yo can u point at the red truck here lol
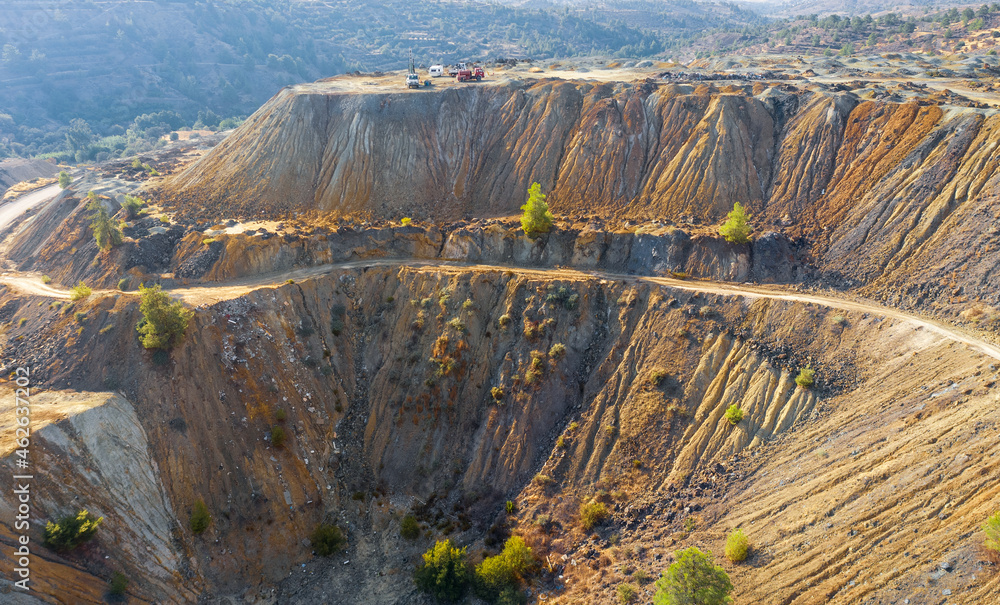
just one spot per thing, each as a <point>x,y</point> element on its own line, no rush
<point>475,73</point>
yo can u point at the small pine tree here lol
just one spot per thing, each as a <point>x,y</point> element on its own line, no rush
<point>163,321</point>
<point>64,179</point>
<point>444,573</point>
<point>327,539</point>
<point>200,519</point>
<point>106,231</point>
<point>694,579</point>
<point>71,531</point>
<point>736,229</point>
<point>536,218</point>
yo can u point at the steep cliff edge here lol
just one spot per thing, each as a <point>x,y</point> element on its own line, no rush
<point>891,196</point>
<point>386,377</point>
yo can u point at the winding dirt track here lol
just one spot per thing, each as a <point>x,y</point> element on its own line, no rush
<point>204,295</point>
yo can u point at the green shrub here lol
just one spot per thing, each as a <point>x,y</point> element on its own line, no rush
<point>504,320</point>
<point>734,414</point>
<point>277,436</point>
<point>65,180</point>
<point>543,480</point>
<point>24,320</point>
<point>504,572</point>
<point>409,528</point>
<point>592,514</point>
<point>558,351</point>
<point>805,378</point>
<point>693,578</point>
<point>468,304</point>
<point>992,530</point>
<point>657,376</point>
<point>337,314</point>
<point>163,322</point>
<point>200,519</point>
<point>46,279</point>
<point>71,531</point>
<point>627,594</point>
<point>561,442</point>
<point>510,507</point>
<point>457,325</point>
<point>123,284</point>
<point>80,291</point>
<point>497,394</point>
<point>280,415</point>
<point>118,584</point>
<point>132,205</point>
<point>690,524</point>
<point>641,576</point>
<point>406,221</point>
<point>327,539</point>
<point>736,229</point>
<point>444,572</point>
<point>80,317</point>
<point>164,219</point>
<point>737,546</point>
<point>536,218</point>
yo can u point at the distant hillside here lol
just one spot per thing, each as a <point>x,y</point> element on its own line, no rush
<point>107,62</point>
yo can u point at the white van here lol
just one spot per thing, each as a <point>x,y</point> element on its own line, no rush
<point>437,70</point>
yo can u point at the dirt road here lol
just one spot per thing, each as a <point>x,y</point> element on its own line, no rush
<point>10,211</point>
<point>212,293</point>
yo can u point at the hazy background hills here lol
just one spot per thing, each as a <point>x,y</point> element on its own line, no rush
<point>84,80</point>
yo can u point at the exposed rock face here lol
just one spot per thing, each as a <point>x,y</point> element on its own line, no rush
<point>882,190</point>
<point>89,450</point>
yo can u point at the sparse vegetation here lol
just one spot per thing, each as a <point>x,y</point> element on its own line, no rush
<point>504,320</point>
<point>543,480</point>
<point>327,539</point>
<point>277,436</point>
<point>445,572</point>
<point>627,594</point>
<point>536,218</point>
<point>693,579</point>
<point>736,229</point>
<point>504,572</point>
<point>107,232</point>
<point>80,317</point>
<point>592,514</point>
<point>561,442</point>
<point>657,376</point>
<point>46,279</point>
<point>497,394</point>
<point>118,584</point>
<point>163,321</point>
<point>200,518</point>
<point>558,351</point>
<point>71,531</point>
<point>80,291</point>
<point>991,527</point>
<point>737,546</point>
<point>734,414</point>
<point>409,528</point>
<point>123,284</point>
<point>805,378</point>
<point>280,415</point>
<point>132,205</point>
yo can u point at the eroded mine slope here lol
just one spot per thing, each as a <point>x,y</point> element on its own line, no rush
<point>386,377</point>
<point>897,197</point>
